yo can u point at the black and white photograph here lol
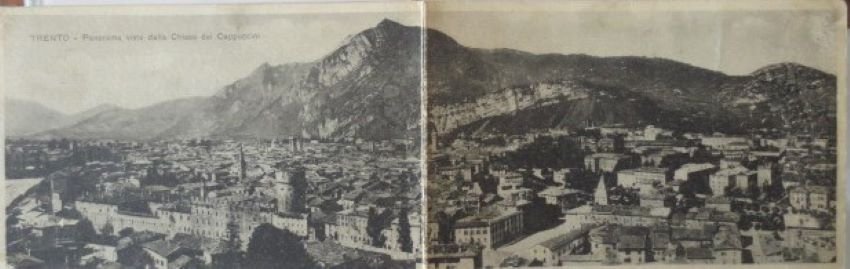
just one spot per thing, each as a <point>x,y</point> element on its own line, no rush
<point>213,137</point>
<point>634,133</point>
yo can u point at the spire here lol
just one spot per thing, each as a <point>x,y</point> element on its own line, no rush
<point>204,188</point>
<point>242,164</point>
<point>601,194</point>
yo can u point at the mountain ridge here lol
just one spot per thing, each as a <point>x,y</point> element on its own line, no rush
<point>369,88</point>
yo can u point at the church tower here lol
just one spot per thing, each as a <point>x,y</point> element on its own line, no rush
<point>601,194</point>
<point>242,164</point>
<point>290,189</point>
<point>55,200</point>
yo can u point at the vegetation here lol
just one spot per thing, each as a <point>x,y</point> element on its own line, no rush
<point>271,247</point>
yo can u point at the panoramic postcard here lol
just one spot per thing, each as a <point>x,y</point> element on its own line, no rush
<point>425,134</point>
<point>578,134</point>
<point>201,137</point>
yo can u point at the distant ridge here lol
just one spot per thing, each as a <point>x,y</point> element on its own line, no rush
<point>25,117</point>
<point>520,91</point>
<point>369,88</point>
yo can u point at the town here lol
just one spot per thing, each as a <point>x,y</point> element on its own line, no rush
<point>197,203</point>
<point>617,194</point>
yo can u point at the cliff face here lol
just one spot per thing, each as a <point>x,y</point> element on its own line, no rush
<point>367,88</point>
<point>507,91</point>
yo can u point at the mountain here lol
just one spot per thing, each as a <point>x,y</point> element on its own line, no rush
<point>367,88</point>
<point>475,91</point>
<point>91,112</point>
<point>26,117</point>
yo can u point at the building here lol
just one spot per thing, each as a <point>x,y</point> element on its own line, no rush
<point>809,197</point>
<point>549,251</point>
<point>765,248</point>
<point>607,162</point>
<point>453,257</point>
<point>632,247</point>
<point>651,132</point>
<point>563,198</point>
<point>719,203</point>
<point>602,241</point>
<point>202,217</point>
<point>738,177</point>
<point>723,142</point>
<point>600,196</point>
<point>644,178</point>
<point>695,172</point>
<point>490,228</point>
<point>766,174</point>
<point>168,255</point>
<point>651,199</point>
<point>290,189</point>
<point>727,245</point>
<point>699,255</point>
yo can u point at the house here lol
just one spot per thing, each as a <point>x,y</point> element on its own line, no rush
<point>719,203</point>
<point>167,255</point>
<point>607,162</point>
<point>810,197</point>
<point>819,249</point>
<point>652,199</point>
<point>739,177</point>
<point>765,248</point>
<point>727,245</point>
<point>766,174</point>
<point>694,172</point>
<point>699,255</point>
<point>602,241</point>
<point>549,252</point>
<point>450,256</point>
<point>643,178</point>
<point>632,248</point>
<point>660,240</point>
<point>692,238</point>
<point>565,199</point>
<point>489,228</point>
<point>102,252</point>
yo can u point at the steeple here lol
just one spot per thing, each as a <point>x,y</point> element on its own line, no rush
<point>601,194</point>
<point>204,187</point>
<point>242,173</point>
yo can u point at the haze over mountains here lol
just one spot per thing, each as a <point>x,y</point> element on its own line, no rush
<point>370,88</point>
<point>28,117</point>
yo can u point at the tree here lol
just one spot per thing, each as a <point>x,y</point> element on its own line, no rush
<point>107,229</point>
<point>126,232</point>
<point>270,247</point>
<point>85,231</point>
<point>374,228</point>
<point>232,255</point>
<point>404,240</point>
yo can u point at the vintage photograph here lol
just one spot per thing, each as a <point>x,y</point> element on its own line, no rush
<point>633,133</point>
<point>213,137</point>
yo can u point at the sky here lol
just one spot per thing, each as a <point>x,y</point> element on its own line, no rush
<point>733,42</point>
<point>76,75</point>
